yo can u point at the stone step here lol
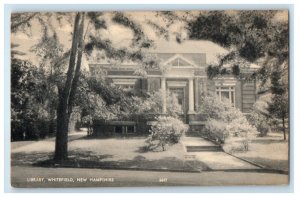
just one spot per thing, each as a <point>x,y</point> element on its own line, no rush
<point>192,134</point>
<point>204,148</point>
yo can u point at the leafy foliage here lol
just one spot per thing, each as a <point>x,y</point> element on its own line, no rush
<point>275,95</point>
<point>69,78</point>
<point>99,100</point>
<point>21,20</point>
<point>49,50</point>
<point>260,121</point>
<point>259,37</point>
<point>165,131</point>
<point>31,101</point>
<point>279,107</point>
<point>98,22</point>
<point>250,35</point>
<point>139,38</point>
<point>150,104</point>
<point>216,26</point>
<point>226,124</point>
<point>251,32</point>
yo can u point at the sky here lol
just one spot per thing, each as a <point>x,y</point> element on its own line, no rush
<point>119,36</point>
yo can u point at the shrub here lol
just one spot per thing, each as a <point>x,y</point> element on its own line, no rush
<point>259,121</point>
<point>152,104</point>
<point>165,131</point>
<point>259,116</point>
<point>227,125</point>
<point>32,130</point>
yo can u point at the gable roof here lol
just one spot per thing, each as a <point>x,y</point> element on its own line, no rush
<point>200,51</point>
<point>178,58</point>
<point>198,59</point>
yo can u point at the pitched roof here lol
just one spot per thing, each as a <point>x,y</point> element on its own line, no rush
<point>197,50</point>
<point>201,52</point>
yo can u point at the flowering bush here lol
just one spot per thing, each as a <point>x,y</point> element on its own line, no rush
<point>165,131</point>
<point>148,106</point>
<point>153,104</point>
<point>227,125</point>
<point>259,121</point>
<point>259,116</point>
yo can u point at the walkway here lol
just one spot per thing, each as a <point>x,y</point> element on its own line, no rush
<point>212,155</point>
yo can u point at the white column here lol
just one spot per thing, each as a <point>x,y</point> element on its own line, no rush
<point>205,87</point>
<point>163,90</point>
<point>196,93</point>
<point>191,96</point>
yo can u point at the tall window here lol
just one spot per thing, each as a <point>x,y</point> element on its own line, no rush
<point>226,93</point>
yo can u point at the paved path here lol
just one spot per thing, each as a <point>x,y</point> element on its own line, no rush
<point>216,160</point>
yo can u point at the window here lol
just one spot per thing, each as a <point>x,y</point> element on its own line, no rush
<point>118,129</point>
<point>130,129</point>
<point>125,84</point>
<point>226,93</point>
<point>125,87</point>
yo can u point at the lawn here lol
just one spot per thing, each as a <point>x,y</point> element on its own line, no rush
<point>122,153</point>
<point>270,151</point>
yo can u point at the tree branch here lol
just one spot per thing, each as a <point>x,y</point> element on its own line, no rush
<point>15,24</point>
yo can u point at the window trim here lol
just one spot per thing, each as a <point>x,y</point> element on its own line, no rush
<point>226,87</point>
<point>130,83</point>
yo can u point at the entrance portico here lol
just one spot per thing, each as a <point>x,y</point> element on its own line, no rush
<point>183,89</point>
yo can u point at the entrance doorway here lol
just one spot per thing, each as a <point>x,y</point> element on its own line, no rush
<point>179,93</point>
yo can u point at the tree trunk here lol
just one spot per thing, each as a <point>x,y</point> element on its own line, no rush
<point>283,125</point>
<point>64,108</point>
<point>77,70</point>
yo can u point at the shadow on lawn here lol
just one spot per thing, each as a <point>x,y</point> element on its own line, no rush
<point>263,140</point>
<point>119,137</point>
<point>88,159</point>
<point>270,163</point>
<point>21,159</point>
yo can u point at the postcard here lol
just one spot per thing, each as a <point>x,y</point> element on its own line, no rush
<point>149,98</point>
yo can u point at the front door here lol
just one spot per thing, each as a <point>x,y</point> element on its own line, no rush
<point>179,93</point>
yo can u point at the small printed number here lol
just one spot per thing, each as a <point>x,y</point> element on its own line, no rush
<point>163,180</point>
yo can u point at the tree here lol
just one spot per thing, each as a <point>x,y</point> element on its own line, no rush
<point>67,93</point>
<point>260,116</point>
<point>68,79</point>
<point>251,34</point>
<point>259,37</point>
<point>279,107</point>
<point>30,101</point>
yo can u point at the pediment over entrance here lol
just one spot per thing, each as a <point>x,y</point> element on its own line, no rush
<point>178,61</point>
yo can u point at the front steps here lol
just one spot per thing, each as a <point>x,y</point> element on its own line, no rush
<point>195,143</point>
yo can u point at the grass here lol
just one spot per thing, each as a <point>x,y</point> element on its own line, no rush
<point>128,153</point>
<point>116,153</point>
<point>270,151</point>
